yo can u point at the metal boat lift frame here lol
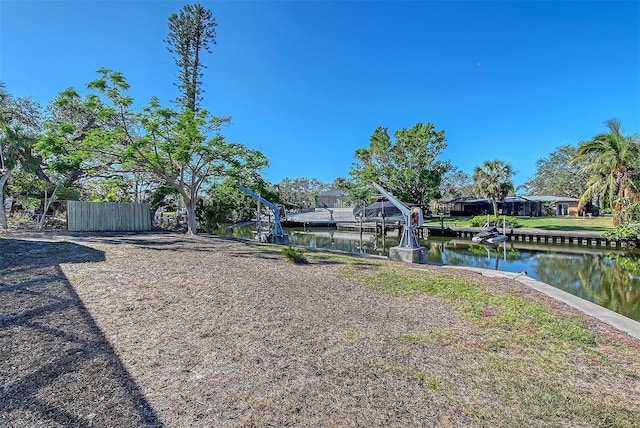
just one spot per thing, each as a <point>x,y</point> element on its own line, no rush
<point>409,250</point>
<point>277,235</point>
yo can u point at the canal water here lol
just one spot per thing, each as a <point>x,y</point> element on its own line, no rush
<point>607,277</point>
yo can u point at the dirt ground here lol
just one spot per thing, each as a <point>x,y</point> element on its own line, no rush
<point>162,330</point>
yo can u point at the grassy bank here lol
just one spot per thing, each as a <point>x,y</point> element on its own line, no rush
<point>595,224</point>
<point>518,361</point>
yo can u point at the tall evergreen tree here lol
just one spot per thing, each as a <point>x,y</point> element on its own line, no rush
<point>191,32</point>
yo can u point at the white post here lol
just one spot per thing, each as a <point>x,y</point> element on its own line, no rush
<point>258,221</point>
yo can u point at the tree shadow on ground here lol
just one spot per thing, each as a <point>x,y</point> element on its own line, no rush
<point>162,241</point>
<point>56,366</point>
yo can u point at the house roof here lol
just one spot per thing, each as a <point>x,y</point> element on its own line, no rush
<point>468,201</point>
<point>516,198</point>
<point>332,193</point>
<point>545,198</point>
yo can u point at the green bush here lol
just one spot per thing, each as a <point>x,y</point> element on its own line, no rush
<point>622,233</point>
<point>293,255</point>
<point>481,220</point>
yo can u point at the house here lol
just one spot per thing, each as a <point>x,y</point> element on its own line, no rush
<point>468,207</point>
<point>331,199</point>
<point>559,206</point>
<point>531,206</point>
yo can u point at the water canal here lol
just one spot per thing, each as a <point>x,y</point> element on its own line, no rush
<point>607,277</point>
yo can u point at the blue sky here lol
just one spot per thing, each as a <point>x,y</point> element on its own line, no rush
<point>307,82</point>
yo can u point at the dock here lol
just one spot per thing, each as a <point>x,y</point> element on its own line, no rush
<point>342,219</point>
<point>593,239</point>
<point>368,226</point>
<point>560,237</point>
<point>396,227</point>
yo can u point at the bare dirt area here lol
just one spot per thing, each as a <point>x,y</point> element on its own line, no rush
<point>163,330</point>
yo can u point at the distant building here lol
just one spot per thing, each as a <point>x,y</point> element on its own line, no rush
<point>531,206</point>
<point>332,199</point>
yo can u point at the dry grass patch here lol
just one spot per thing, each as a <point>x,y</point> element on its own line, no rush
<point>520,360</point>
<point>200,332</point>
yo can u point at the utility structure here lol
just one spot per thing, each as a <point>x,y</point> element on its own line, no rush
<point>409,250</point>
<point>277,235</point>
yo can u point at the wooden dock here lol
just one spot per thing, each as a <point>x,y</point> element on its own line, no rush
<point>376,227</point>
<point>369,226</point>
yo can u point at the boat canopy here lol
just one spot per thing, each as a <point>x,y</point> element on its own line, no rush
<point>376,209</point>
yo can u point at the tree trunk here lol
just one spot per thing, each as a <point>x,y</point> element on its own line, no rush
<point>617,213</point>
<point>3,214</point>
<point>192,227</point>
<point>495,207</point>
<point>617,209</point>
<point>46,207</point>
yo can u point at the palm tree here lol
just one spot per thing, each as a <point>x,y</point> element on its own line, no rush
<point>19,122</point>
<point>3,93</point>
<point>493,181</point>
<point>611,161</point>
<point>4,99</point>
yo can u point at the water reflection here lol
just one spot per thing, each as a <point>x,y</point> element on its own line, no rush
<point>607,277</point>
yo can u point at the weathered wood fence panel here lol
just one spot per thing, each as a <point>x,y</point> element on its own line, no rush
<point>107,216</point>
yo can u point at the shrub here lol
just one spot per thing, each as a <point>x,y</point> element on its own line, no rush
<point>622,233</point>
<point>293,255</point>
<point>481,220</point>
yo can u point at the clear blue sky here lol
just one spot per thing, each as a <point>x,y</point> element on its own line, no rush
<point>308,82</point>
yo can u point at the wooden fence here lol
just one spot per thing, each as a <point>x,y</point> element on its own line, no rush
<point>107,216</point>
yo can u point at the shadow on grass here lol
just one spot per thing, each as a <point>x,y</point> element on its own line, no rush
<point>56,366</point>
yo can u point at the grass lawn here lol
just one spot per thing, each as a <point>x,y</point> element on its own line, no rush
<point>595,224</point>
<point>517,344</point>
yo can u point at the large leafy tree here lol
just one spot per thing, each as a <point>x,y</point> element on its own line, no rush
<point>493,181</point>
<point>191,33</point>
<point>67,159</point>
<point>456,184</point>
<point>557,175</point>
<point>407,167</point>
<point>72,168</point>
<point>184,149</point>
<point>300,192</point>
<point>611,162</point>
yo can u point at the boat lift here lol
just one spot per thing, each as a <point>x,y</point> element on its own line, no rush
<point>409,250</point>
<point>277,235</point>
